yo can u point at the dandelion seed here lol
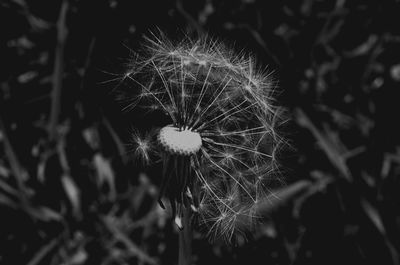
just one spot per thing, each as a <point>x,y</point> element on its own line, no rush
<point>142,147</point>
<point>218,119</point>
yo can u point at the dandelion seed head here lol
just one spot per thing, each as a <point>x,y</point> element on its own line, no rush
<point>181,142</point>
<point>219,140</point>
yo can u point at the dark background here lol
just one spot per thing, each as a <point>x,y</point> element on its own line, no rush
<point>71,192</point>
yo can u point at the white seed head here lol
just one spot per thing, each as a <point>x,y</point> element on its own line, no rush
<point>221,143</point>
<point>182,142</point>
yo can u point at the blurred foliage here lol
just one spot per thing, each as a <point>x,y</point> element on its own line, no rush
<point>71,193</point>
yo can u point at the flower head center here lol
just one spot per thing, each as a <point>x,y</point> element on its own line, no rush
<point>181,142</point>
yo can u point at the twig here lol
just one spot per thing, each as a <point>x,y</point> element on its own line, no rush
<point>58,70</point>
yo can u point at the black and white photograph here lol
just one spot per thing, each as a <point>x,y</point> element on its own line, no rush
<point>199,132</point>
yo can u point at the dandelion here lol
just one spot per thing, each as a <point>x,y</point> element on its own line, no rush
<point>217,142</point>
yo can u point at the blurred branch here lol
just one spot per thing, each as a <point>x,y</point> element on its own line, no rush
<point>257,37</point>
<point>376,219</point>
<point>334,155</point>
<point>332,25</point>
<point>41,213</point>
<point>112,226</point>
<point>15,165</point>
<point>7,188</point>
<point>22,8</point>
<point>388,161</point>
<point>45,250</point>
<point>191,21</point>
<point>88,60</point>
<point>116,139</point>
<point>71,189</point>
<point>283,195</point>
<point>153,216</point>
<point>58,69</point>
<point>7,201</point>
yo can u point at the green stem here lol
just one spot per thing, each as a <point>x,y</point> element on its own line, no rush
<point>185,239</point>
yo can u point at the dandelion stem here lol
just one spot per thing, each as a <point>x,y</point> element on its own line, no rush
<point>185,239</point>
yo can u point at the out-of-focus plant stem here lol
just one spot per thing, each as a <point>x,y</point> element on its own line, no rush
<point>15,165</point>
<point>58,70</point>
<point>112,226</point>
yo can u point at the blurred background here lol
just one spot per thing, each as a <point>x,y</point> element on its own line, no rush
<point>71,193</point>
